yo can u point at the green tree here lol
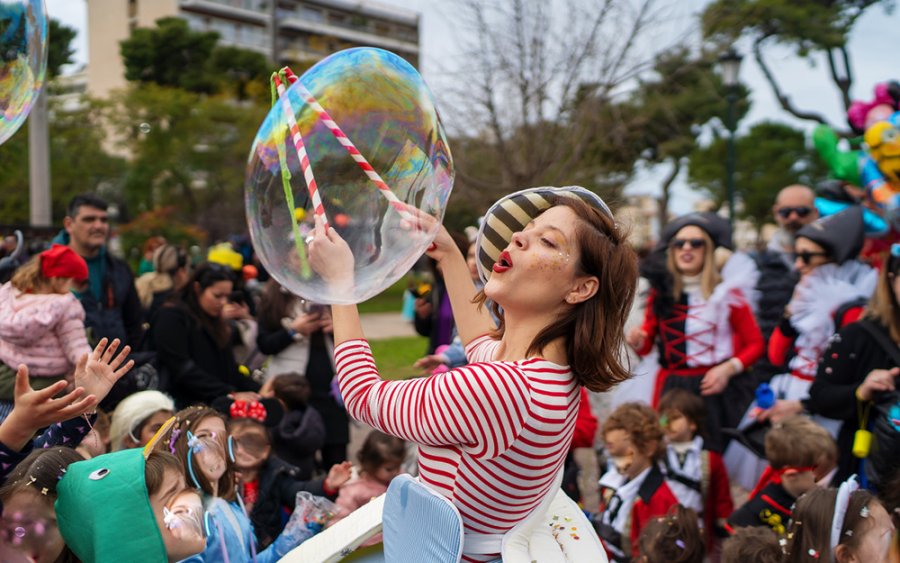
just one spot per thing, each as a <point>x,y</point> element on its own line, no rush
<point>187,150</point>
<point>59,47</point>
<point>78,162</point>
<point>170,54</point>
<point>175,56</point>
<point>682,95</point>
<point>769,157</point>
<point>809,26</point>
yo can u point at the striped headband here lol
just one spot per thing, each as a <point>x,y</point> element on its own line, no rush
<point>511,213</point>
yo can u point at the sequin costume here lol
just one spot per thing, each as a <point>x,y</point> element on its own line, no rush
<point>492,435</point>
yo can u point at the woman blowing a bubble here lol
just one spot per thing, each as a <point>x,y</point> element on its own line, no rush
<point>493,434</point>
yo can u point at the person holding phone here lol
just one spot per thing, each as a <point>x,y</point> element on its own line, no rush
<point>296,334</point>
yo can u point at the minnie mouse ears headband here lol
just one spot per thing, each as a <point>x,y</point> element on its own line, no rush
<point>267,412</point>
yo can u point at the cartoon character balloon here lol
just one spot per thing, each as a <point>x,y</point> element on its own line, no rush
<point>357,142</point>
<point>881,170</point>
<point>23,60</point>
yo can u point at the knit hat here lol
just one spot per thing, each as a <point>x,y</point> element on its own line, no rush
<point>62,262</point>
<point>512,212</point>
<point>134,410</point>
<point>225,255</point>
<point>103,510</point>
<point>841,235</point>
<point>713,225</point>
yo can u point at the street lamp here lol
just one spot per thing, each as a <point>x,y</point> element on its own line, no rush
<point>730,61</point>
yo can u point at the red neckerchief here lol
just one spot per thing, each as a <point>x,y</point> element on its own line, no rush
<point>774,476</point>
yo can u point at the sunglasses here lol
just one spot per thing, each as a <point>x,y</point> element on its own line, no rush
<point>807,256</point>
<point>689,242</point>
<point>801,212</point>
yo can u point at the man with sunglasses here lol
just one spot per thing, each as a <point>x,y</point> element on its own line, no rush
<point>794,208</point>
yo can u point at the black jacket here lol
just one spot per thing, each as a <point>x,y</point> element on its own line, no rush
<point>198,370</point>
<point>118,313</point>
<point>776,286</point>
<point>852,354</point>
<point>297,438</point>
<point>771,507</point>
<point>279,483</point>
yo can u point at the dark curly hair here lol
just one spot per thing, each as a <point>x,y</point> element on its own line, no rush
<point>641,424</point>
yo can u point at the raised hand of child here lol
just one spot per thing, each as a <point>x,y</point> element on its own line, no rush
<point>34,410</point>
<point>98,371</point>
<point>338,475</point>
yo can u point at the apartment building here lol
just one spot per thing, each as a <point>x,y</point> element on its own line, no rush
<point>287,31</point>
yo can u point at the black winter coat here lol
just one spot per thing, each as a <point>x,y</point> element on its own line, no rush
<point>118,313</point>
<point>279,483</point>
<point>852,354</point>
<point>198,370</point>
<point>776,286</point>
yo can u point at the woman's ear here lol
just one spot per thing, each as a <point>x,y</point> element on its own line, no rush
<point>585,287</point>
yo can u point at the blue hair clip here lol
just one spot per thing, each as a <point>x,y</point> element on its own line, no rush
<point>193,448</point>
<point>895,250</point>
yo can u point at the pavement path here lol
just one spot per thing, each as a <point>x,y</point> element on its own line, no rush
<point>378,326</point>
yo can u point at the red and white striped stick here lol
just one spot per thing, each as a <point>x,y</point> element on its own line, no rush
<point>318,207</point>
<point>351,148</point>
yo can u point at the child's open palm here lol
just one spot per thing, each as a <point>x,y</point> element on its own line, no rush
<point>338,475</point>
<point>98,371</point>
<point>34,410</point>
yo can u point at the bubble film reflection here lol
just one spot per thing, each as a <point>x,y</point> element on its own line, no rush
<point>379,160</point>
<point>23,60</point>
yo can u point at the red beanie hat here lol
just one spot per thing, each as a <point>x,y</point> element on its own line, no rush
<point>62,262</point>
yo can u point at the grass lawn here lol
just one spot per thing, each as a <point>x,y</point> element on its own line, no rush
<point>395,356</point>
<point>388,301</point>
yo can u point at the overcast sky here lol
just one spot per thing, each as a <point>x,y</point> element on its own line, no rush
<point>873,49</point>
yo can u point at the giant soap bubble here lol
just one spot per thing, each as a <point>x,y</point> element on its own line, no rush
<point>379,157</point>
<point>23,60</point>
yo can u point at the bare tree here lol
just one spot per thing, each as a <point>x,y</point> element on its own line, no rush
<point>533,100</point>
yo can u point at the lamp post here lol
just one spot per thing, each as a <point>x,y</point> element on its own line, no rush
<point>730,61</point>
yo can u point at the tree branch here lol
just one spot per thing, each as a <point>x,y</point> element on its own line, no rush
<point>843,83</point>
<point>783,99</point>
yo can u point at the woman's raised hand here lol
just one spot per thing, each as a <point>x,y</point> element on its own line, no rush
<point>330,255</point>
<point>442,246</point>
<point>98,371</point>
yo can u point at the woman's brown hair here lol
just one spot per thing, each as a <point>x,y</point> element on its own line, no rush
<point>883,307</point>
<point>674,538</point>
<point>274,304</point>
<point>709,275</point>
<point>594,329</point>
<point>204,276</point>
<point>175,441</point>
<point>29,278</point>
<point>809,536</point>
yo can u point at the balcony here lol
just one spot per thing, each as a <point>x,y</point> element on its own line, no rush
<point>232,9</point>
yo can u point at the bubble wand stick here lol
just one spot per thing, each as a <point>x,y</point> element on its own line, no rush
<point>277,90</point>
<point>351,148</point>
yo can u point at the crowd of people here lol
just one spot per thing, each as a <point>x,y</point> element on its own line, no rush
<point>760,425</point>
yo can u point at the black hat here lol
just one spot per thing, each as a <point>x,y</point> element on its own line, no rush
<point>841,235</point>
<point>713,225</point>
<point>512,212</point>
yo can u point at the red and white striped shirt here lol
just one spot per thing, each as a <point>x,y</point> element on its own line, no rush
<point>492,434</point>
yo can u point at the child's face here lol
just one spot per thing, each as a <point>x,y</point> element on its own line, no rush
<point>251,447</point>
<point>627,459</point>
<point>211,461</point>
<point>388,470</point>
<point>875,543</point>
<point>28,529</point>
<point>181,541</point>
<point>150,427</point>
<point>677,427</point>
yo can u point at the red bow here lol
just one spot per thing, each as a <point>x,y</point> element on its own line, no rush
<point>245,409</point>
